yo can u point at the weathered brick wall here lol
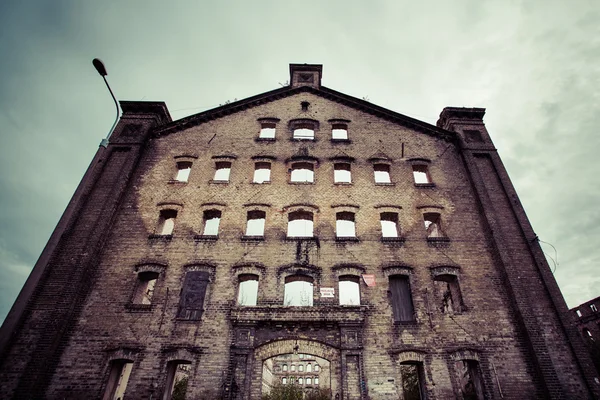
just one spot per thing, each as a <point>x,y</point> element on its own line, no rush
<point>365,344</point>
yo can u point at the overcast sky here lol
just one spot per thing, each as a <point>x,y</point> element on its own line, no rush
<point>535,66</point>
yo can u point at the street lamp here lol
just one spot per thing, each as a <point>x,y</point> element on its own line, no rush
<point>102,71</point>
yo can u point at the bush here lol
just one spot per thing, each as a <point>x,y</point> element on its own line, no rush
<point>295,392</point>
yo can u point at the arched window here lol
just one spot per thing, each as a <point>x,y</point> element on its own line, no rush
<point>344,224</point>
<point>316,367</point>
<point>248,290</point>
<point>300,224</point>
<point>339,132</point>
<point>298,291</point>
<point>262,172</point>
<point>300,381</point>
<point>212,218</point>
<point>304,132</point>
<point>302,172</point>
<point>293,368</point>
<point>285,368</point>
<point>300,368</point>
<point>389,225</point>
<point>267,130</point>
<point>349,290</point>
<point>309,381</point>
<point>284,380</point>
<point>256,223</point>
<point>309,368</point>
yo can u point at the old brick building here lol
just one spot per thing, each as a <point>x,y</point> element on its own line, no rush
<point>301,220</point>
<point>587,317</point>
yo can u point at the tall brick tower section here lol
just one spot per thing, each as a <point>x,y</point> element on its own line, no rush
<point>300,221</point>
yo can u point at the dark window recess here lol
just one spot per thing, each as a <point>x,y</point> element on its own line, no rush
<point>192,295</point>
<point>472,136</point>
<point>469,378</point>
<point>402,303</point>
<point>413,378</point>
<point>448,293</point>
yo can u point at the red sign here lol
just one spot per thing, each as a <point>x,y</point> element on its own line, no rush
<point>369,279</point>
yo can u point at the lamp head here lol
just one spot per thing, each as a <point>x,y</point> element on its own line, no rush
<point>99,67</point>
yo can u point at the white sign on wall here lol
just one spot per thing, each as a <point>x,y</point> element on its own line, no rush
<point>327,292</point>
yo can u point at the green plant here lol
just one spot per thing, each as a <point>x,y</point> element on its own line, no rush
<point>285,392</point>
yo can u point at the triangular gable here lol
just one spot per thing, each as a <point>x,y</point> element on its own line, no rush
<point>329,94</point>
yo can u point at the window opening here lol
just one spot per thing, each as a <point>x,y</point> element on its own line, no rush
<point>183,171</point>
<point>433,225</point>
<point>578,313</point>
<point>118,378</point>
<point>389,224</point>
<point>300,224</point>
<point>300,368</point>
<point>284,380</point>
<point>345,225</point>
<point>316,367</point>
<point>167,222</point>
<point>413,379</point>
<point>145,288</point>
<point>262,172</point>
<point>300,381</point>
<point>308,381</point>
<point>212,218</point>
<point>349,291</point>
<point>256,223</point>
<point>382,173</point>
<point>448,291</point>
<point>469,378</point>
<point>191,302</point>
<point>588,333</point>
<point>293,368</point>
<point>178,374</point>
<point>267,130</point>
<point>285,368</point>
<point>402,304</point>
<point>341,173</point>
<point>421,174</point>
<point>248,290</point>
<point>593,308</point>
<point>304,132</point>
<point>302,172</point>
<point>298,291</point>
<point>222,171</point>
<point>316,380</point>
<point>339,132</point>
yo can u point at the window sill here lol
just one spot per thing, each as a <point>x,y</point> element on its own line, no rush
<point>398,239</point>
<point>344,141</point>
<point>206,238</point>
<point>385,184</point>
<point>343,183</point>
<point>301,238</point>
<point>301,183</point>
<point>264,139</point>
<point>247,238</point>
<point>176,182</point>
<point>302,140</point>
<point>261,183</point>
<point>425,185</point>
<point>438,241</point>
<point>406,323</point>
<point>139,307</point>
<point>157,237</point>
<point>347,239</point>
<point>218,182</point>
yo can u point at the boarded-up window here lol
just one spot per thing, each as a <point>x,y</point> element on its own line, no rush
<point>191,303</point>
<point>402,303</point>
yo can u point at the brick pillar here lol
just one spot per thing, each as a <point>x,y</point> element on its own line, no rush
<point>39,325</point>
<point>539,307</point>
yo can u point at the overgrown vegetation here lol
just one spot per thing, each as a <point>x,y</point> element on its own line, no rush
<point>295,392</point>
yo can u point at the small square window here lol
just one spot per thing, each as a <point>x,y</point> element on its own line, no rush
<point>183,171</point>
<point>304,133</point>
<point>421,174</point>
<point>302,172</point>
<point>212,218</point>
<point>389,225</point>
<point>339,132</point>
<point>222,171</point>
<point>267,130</point>
<point>382,173</point>
<point>262,172</point>
<point>166,222</point>
<point>342,173</point>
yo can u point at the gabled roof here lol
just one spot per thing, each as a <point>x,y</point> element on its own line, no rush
<point>287,91</point>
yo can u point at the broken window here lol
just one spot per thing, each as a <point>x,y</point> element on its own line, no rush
<point>166,222</point>
<point>145,287</point>
<point>345,225</point>
<point>183,171</point>
<point>191,302</point>
<point>267,130</point>
<point>433,225</point>
<point>448,293</point>
<point>349,290</point>
<point>178,374</point>
<point>421,174</point>
<point>248,290</point>
<point>413,379</point>
<point>578,313</point>
<point>262,172</point>
<point>339,132</point>
<point>469,378</point>
<point>389,225</point>
<point>341,173</point>
<point>300,224</point>
<point>402,304</point>
<point>118,379</point>
<point>212,218</point>
<point>298,291</point>
<point>256,223</point>
<point>222,171</point>
<point>302,172</point>
<point>593,308</point>
<point>382,173</point>
<point>304,132</point>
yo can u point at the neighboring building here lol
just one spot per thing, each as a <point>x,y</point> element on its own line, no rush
<point>297,221</point>
<point>304,370</point>
<point>587,320</point>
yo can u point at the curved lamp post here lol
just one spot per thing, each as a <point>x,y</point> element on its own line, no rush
<point>102,71</point>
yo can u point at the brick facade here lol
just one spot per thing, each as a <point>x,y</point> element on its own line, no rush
<point>483,308</point>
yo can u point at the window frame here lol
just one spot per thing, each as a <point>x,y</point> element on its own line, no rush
<point>298,212</point>
<point>117,368</point>
<point>403,311</point>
